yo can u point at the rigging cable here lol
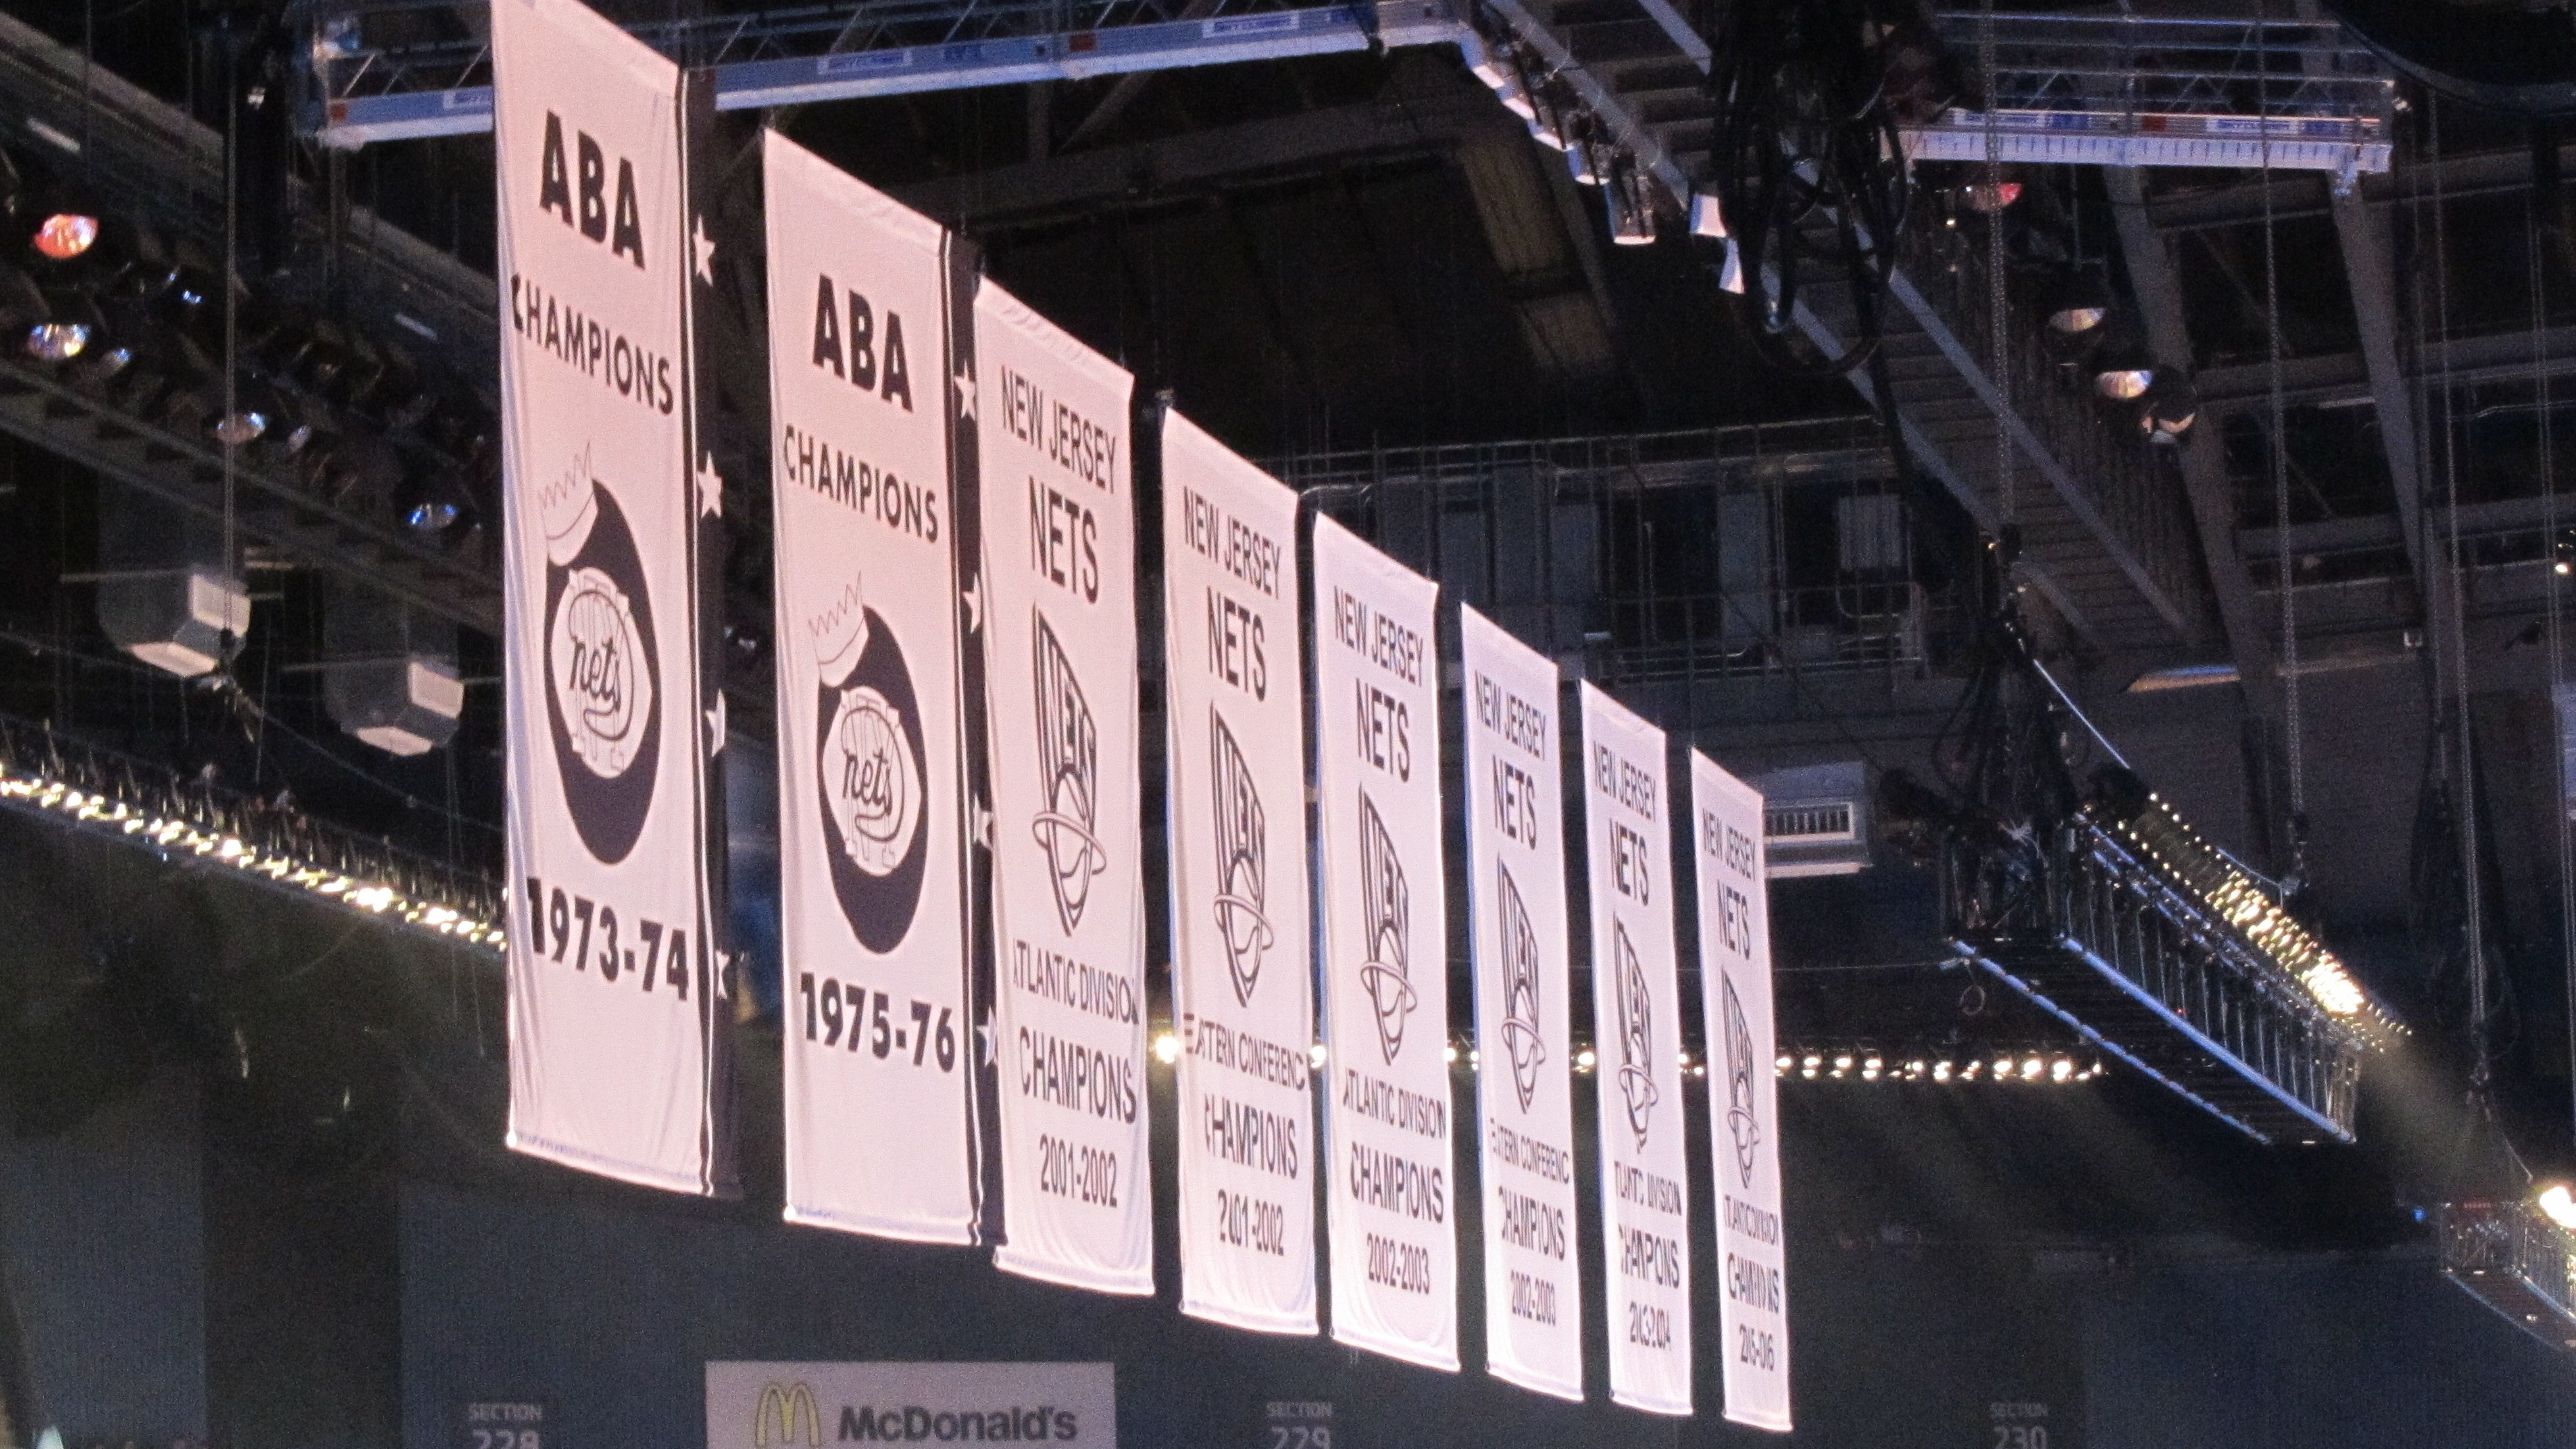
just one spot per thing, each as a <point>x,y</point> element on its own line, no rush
<point>2452,606</point>
<point>2284,570</point>
<point>2540,232</point>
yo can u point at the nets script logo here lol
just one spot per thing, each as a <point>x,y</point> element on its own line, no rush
<point>1521,1036</point>
<point>868,768</point>
<point>1243,850</point>
<point>1069,763</point>
<point>603,681</point>
<point>1636,1035</point>
<point>1385,974</point>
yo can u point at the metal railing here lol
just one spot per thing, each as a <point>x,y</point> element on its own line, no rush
<point>2193,999</point>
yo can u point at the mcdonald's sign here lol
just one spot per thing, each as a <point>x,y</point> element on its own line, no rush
<point>783,1404</point>
<point>787,1406</point>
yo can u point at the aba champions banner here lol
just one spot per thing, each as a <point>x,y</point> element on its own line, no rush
<point>1637,1034</point>
<point>1394,1245</point>
<point>1743,1101</point>
<point>1242,976</point>
<point>1058,604</point>
<point>880,1130</point>
<point>617,1022</point>
<point>1524,1087</point>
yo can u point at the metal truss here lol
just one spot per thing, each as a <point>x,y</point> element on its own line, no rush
<point>269,505</point>
<point>2515,1261</point>
<point>2137,90</point>
<point>2103,933</point>
<point>366,92</point>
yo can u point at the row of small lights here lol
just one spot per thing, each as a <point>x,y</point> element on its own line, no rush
<point>1844,1065</point>
<point>1167,1050</point>
<point>2243,904</point>
<point>171,833</point>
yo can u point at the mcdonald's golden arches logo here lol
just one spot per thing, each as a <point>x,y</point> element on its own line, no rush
<point>786,1405</point>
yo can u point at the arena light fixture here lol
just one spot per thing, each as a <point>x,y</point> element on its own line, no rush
<point>123,799</point>
<point>66,234</point>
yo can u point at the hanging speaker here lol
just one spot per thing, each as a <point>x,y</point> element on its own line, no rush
<point>165,593</point>
<point>390,675</point>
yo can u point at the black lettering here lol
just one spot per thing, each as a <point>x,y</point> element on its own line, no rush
<point>554,188</point>
<point>898,372</point>
<point>863,343</point>
<point>630,219</point>
<point>827,328</point>
<point>594,186</point>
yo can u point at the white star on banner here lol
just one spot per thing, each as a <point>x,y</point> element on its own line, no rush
<point>984,824</point>
<point>974,603</point>
<point>716,732</point>
<point>964,382</point>
<point>710,489</point>
<point>703,247</point>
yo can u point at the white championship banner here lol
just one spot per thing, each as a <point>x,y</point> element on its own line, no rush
<point>1743,1094</point>
<point>1386,954</point>
<point>1524,1082</point>
<point>870,779</point>
<point>616,1046</point>
<point>1637,1034</point>
<point>1058,600</point>
<point>1236,818</point>
<point>808,1405</point>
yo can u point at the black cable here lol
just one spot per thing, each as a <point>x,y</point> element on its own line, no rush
<point>1808,167</point>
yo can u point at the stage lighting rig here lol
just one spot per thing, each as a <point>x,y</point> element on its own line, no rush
<point>2097,903</point>
<point>2518,1259</point>
<point>192,820</point>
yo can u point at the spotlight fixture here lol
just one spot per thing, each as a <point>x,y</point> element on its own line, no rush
<point>1988,198</point>
<point>2558,1205</point>
<point>2167,409</point>
<point>57,341</point>
<point>66,234</point>
<point>1632,205</point>
<point>2079,301</point>
<point>2123,372</point>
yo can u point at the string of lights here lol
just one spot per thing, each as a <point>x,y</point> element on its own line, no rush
<point>102,793</point>
<point>2028,1067</point>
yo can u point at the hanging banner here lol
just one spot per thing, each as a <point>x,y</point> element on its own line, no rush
<point>1236,817</point>
<point>1524,1087</point>
<point>1058,600</point>
<point>1637,1034</point>
<point>617,1026</point>
<point>872,897</point>
<point>1386,950</point>
<point>1743,1094</point>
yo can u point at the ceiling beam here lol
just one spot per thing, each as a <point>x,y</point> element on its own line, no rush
<point>2309,194</point>
<point>2204,463</point>
<point>1149,171</point>
<point>2344,377</point>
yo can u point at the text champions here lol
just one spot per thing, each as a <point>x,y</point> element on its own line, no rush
<point>574,187</point>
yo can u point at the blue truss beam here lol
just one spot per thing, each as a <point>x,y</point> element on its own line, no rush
<point>355,121</point>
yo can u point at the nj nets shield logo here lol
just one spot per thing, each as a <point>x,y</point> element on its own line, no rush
<point>1388,908</point>
<point>1521,1038</point>
<point>1636,1035</point>
<point>1741,1119</point>
<point>1069,768</point>
<point>603,682</point>
<point>1242,859</point>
